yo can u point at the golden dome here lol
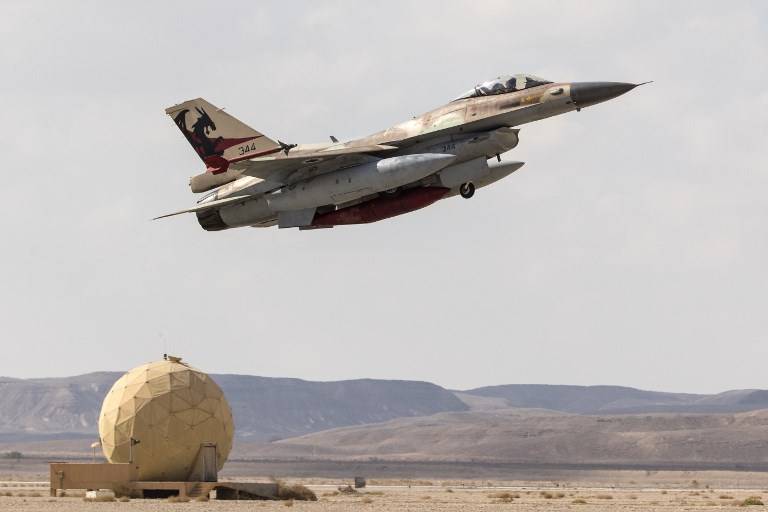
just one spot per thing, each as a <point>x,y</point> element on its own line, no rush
<point>170,409</point>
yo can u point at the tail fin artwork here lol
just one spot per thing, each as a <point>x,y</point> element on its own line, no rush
<point>217,137</point>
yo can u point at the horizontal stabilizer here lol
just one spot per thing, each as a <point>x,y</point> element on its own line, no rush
<point>207,206</point>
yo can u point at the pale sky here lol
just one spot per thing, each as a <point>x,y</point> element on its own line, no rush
<point>631,249</point>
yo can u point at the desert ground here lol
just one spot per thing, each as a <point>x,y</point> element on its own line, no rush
<point>460,497</point>
<point>574,490</point>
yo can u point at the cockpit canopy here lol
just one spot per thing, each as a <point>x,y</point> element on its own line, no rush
<point>504,84</point>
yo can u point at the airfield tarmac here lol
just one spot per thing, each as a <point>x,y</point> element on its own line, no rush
<point>675,492</point>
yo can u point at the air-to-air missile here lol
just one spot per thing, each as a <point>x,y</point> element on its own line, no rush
<point>252,180</point>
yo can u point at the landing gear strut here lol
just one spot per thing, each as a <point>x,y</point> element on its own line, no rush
<point>467,190</point>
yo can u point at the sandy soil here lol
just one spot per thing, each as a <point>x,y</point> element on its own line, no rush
<point>449,496</point>
<point>322,471</point>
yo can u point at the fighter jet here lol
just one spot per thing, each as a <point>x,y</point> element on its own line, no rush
<point>254,180</point>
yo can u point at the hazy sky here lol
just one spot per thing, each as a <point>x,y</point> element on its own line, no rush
<point>631,249</point>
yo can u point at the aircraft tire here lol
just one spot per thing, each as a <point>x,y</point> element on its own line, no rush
<point>467,190</point>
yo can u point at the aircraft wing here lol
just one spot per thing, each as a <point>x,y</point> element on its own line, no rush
<point>297,165</point>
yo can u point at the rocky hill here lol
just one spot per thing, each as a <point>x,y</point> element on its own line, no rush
<point>69,404</point>
<point>536,436</point>
<point>400,418</point>
<point>263,408</point>
<point>616,399</point>
<point>270,408</point>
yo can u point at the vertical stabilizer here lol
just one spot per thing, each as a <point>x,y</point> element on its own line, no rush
<point>217,137</point>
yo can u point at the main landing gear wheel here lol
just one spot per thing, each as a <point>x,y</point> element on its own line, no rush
<point>467,190</point>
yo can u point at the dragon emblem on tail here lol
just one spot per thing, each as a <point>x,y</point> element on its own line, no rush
<point>199,135</point>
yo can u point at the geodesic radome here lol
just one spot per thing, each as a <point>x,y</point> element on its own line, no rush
<point>170,408</point>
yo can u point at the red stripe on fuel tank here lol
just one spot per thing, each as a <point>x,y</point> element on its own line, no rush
<point>382,207</point>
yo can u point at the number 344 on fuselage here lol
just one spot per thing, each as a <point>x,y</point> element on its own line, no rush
<point>253,180</point>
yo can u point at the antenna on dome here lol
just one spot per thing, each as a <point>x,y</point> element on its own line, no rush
<point>164,341</point>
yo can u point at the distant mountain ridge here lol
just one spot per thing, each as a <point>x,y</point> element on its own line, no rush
<point>264,408</point>
<point>539,436</point>
<point>620,400</point>
<point>268,409</point>
<point>272,408</point>
<point>66,404</point>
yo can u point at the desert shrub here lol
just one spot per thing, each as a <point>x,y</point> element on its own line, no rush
<point>752,500</point>
<point>559,495</point>
<point>367,500</point>
<point>123,499</point>
<point>632,497</point>
<point>449,490</point>
<point>426,497</point>
<point>604,497</point>
<point>547,495</point>
<point>504,495</point>
<point>725,497</point>
<point>178,499</point>
<point>288,503</point>
<point>664,492</point>
<point>347,490</point>
<point>579,501</point>
<point>295,492</point>
<point>202,498</point>
<point>330,493</point>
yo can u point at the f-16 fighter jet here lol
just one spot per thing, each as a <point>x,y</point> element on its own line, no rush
<point>253,180</point>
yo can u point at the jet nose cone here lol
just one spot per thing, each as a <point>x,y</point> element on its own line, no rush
<point>584,94</point>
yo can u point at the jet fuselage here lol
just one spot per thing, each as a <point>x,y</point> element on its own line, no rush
<point>445,150</point>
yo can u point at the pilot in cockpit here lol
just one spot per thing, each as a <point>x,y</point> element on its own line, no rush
<point>504,84</point>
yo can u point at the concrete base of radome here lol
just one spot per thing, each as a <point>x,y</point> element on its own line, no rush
<point>121,479</point>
